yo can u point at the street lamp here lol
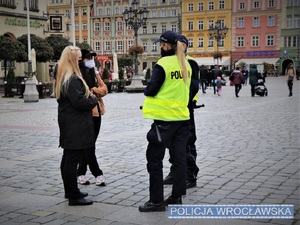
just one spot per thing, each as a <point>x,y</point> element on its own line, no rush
<point>134,19</point>
<point>217,32</point>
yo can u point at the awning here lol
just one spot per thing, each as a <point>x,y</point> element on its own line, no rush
<point>209,61</point>
<point>258,61</point>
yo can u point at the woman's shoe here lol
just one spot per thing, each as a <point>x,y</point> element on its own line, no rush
<point>80,201</point>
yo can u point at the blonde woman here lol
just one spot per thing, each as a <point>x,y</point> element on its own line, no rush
<point>75,104</point>
<point>167,98</point>
<point>290,75</point>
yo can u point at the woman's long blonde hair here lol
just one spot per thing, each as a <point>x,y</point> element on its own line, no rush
<point>180,52</point>
<point>67,67</point>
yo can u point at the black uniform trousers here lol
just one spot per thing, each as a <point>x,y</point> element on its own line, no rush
<point>173,135</point>
<point>191,152</point>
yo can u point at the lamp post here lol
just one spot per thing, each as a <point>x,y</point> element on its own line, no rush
<point>134,19</point>
<point>218,32</point>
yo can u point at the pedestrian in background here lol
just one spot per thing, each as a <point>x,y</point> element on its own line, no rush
<point>253,78</point>
<point>99,89</point>
<point>75,104</point>
<point>167,96</point>
<point>290,75</point>
<point>191,152</point>
<point>203,78</point>
<point>216,72</point>
<point>246,75</point>
<point>219,85</point>
<point>237,79</point>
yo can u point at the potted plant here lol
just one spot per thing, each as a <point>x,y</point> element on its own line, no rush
<point>121,83</point>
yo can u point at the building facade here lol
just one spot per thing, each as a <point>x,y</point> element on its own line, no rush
<point>290,35</point>
<point>13,24</point>
<point>256,32</point>
<point>197,18</point>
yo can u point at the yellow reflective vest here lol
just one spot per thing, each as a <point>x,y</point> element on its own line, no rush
<point>170,103</point>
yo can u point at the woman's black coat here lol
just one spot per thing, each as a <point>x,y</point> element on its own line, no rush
<point>75,117</point>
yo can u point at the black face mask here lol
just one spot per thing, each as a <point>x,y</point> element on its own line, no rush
<point>167,53</point>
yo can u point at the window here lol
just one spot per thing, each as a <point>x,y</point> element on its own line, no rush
<point>97,46</point>
<point>84,26</point>
<point>271,21</point>
<point>145,2</point>
<point>297,21</point>
<point>211,6</point>
<point>130,43</point>
<point>106,26</point>
<point>255,41</point>
<point>270,40</point>
<point>76,40</point>
<point>76,26</point>
<point>190,25</point>
<point>119,25</point>
<point>84,12</point>
<point>271,3</point>
<point>191,42</point>
<point>221,4</point>
<point>222,23</point>
<point>154,29</point>
<point>240,42</point>
<point>241,22</point>
<point>107,46</point>
<point>200,25</point>
<point>117,10</point>
<point>173,12</point>
<point>108,11</point>
<point>163,13</point>
<point>200,6</point>
<point>8,4</point>
<point>289,21</point>
<point>33,4</point>
<point>120,45</point>
<point>145,30</point>
<point>163,28</point>
<point>190,7</point>
<point>154,14</point>
<point>153,1</point>
<point>221,41</point>
<point>99,12</point>
<point>67,13</point>
<point>154,47</point>
<point>211,42</point>
<point>85,40</point>
<point>210,23</point>
<point>242,6</point>
<point>76,12</point>
<point>200,42</point>
<point>145,46</point>
<point>256,21</point>
<point>8,63</point>
<point>287,41</point>
<point>174,28</point>
<point>256,5</point>
<point>97,26</point>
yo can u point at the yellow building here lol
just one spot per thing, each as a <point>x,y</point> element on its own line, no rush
<point>197,18</point>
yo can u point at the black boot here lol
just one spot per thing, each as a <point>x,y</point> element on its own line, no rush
<point>153,207</point>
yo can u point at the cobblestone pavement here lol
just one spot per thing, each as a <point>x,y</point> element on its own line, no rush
<point>248,153</point>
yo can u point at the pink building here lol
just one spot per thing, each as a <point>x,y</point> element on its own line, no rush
<point>256,32</point>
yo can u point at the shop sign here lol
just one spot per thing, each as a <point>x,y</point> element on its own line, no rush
<point>21,23</point>
<point>260,53</point>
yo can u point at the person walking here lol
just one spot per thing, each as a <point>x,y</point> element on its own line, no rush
<point>216,72</point>
<point>245,73</point>
<point>97,87</point>
<point>75,104</point>
<point>237,79</point>
<point>167,96</point>
<point>253,78</point>
<point>191,152</point>
<point>203,78</point>
<point>290,75</point>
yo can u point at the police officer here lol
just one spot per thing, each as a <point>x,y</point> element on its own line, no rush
<point>167,97</point>
<point>191,153</point>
